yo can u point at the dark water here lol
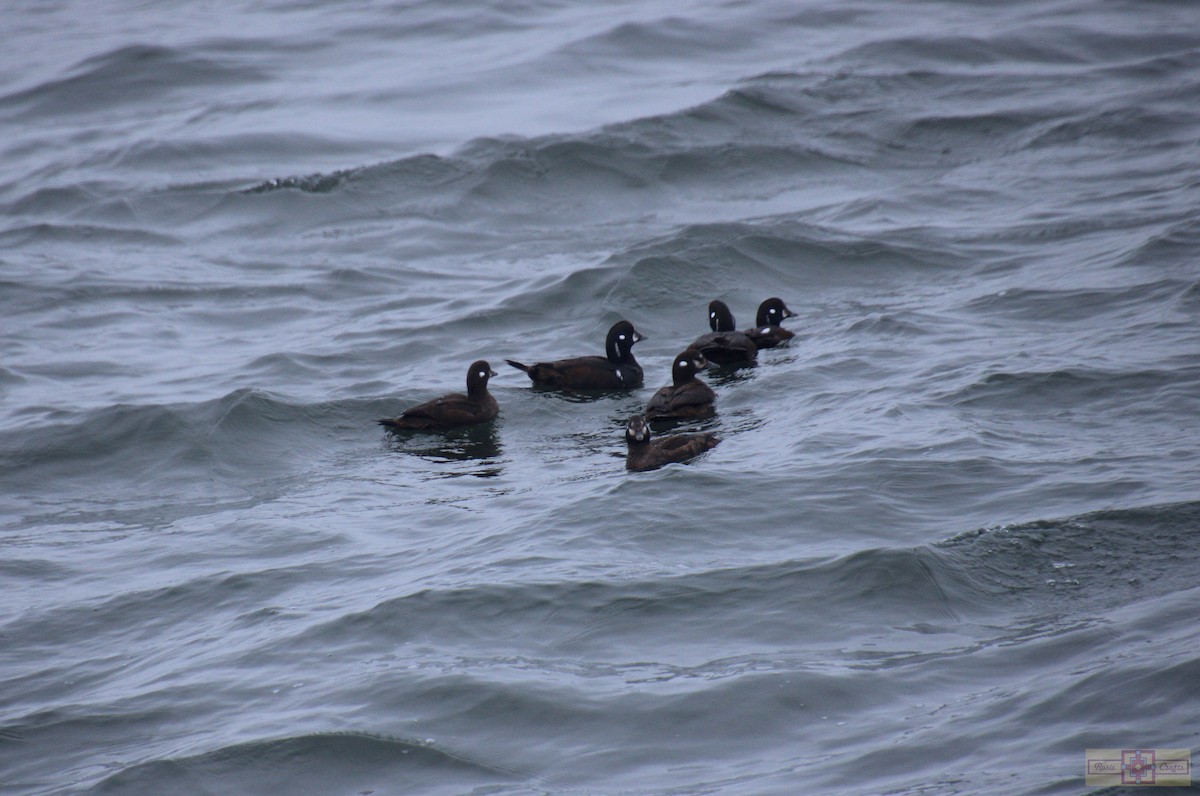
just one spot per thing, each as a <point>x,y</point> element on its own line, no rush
<point>948,543</point>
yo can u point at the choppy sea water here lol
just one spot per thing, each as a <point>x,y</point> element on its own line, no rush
<point>948,541</point>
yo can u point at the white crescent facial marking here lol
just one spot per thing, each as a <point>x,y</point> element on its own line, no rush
<point>482,374</point>
<point>682,363</point>
<point>619,376</point>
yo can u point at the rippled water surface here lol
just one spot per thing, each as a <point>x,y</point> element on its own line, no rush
<point>948,541</point>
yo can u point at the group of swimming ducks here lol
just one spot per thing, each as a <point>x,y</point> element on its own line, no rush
<point>687,397</point>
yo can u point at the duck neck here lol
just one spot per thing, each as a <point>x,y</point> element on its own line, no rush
<point>619,357</point>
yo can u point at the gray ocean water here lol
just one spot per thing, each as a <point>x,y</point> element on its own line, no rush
<point>949,540</point>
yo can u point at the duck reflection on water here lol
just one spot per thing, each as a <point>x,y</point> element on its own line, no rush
<point>479,444</point>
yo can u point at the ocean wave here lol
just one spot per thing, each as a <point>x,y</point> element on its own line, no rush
<point>741,138</point>
<point>657,651</point>
<point>324,762</point>
<point>58,200</point>
<point>756,260</point>
<point>905,586</point>
<point>895,324</point>
<point>773,135</point>
<point>1084,305</point>
<point>127,75</point>
<point>1101,559</point>
<point>82,234</point>
<point>1068,387</point>
<point>667,37</point>
<point>8,378</point>
<point>976,583</point>
<point>140,615</point>
<point>1176,243</point>
<point>1110,124</point>
<point>222,153</point>
<point>92,297</point>
<point>1044,45</point>
<point>143,445</point>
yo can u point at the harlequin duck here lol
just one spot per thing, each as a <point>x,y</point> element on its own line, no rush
<point>455,409</point>
<point>767,332</point>
<point>646,454</point>
<point>618,371</point>
<point>725,345</point>
<point>687,396</point>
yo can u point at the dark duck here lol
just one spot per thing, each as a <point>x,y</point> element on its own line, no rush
<point>725,345</point>
<point>453,410</point>
<point>767,333</point>
<point>618,370</point>
<point>649,454</point>
<point>686,396</point>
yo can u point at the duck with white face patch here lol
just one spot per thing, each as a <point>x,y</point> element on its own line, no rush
<point>646,453</point>
<point>767,332</point>
<point>686,397</point>
<point>617,370</point>
<point>453,410</point>
<point>725,345</point>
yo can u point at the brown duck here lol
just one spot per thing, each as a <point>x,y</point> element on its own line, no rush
<point>455,409</point>
<point>616,370</point>
<point>725,345</point>
<point>687,396</point>
<point>767,332</point>
<point>649,454</point>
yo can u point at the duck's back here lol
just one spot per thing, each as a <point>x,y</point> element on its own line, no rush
<point>691,399</point>
<point>768,336</point>
<point>726,348</point>
<point>677,448</point>
<point>584,373</point>
<point>448,411</point>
